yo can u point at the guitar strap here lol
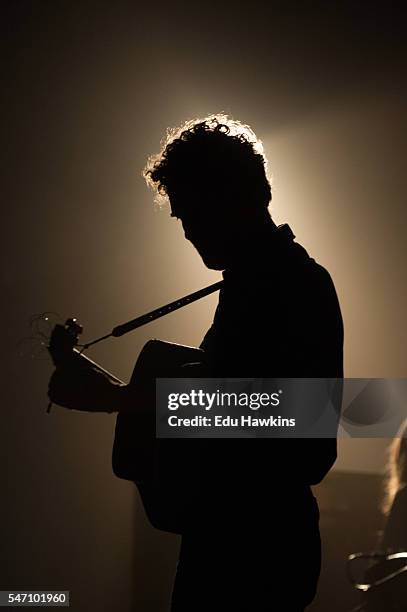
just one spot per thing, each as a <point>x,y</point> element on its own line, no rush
<point>125,328</point>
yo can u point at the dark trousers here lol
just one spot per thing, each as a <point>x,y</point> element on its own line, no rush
<point>252,576</point>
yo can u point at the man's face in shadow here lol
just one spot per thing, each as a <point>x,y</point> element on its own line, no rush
<point>211,223</point>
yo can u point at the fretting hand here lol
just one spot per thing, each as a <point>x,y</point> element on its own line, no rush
<point>80,386</point>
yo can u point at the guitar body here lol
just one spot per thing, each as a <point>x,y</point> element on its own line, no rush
<point>155,465</point>
<point>159,359</point>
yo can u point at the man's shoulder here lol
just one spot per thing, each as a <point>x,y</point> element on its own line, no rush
<point>283,268</point>
<point>298,261</point>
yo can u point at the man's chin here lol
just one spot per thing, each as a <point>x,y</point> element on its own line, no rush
<point>213,264</point>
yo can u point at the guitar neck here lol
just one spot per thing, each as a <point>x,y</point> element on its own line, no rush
<point>95,365</point>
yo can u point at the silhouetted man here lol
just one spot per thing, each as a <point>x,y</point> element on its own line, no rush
<point>248,519</point>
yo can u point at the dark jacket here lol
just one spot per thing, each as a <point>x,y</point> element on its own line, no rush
<point>257,520</point>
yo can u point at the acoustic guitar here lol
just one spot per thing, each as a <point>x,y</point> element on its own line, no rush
<point>137,454</point>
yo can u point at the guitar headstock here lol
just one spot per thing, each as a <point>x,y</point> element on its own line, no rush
<point>63,340</point>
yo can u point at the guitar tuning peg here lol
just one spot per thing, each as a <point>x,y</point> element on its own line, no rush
<point>73,327</point>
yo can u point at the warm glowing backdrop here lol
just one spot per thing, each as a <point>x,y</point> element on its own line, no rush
<point>90,90</point>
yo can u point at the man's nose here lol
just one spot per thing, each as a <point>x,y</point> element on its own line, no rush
<point>192,229</point>
<point>187,231</point>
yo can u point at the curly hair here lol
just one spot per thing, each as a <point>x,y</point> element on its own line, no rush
<point>214,152</point>
<point>396,468</point>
